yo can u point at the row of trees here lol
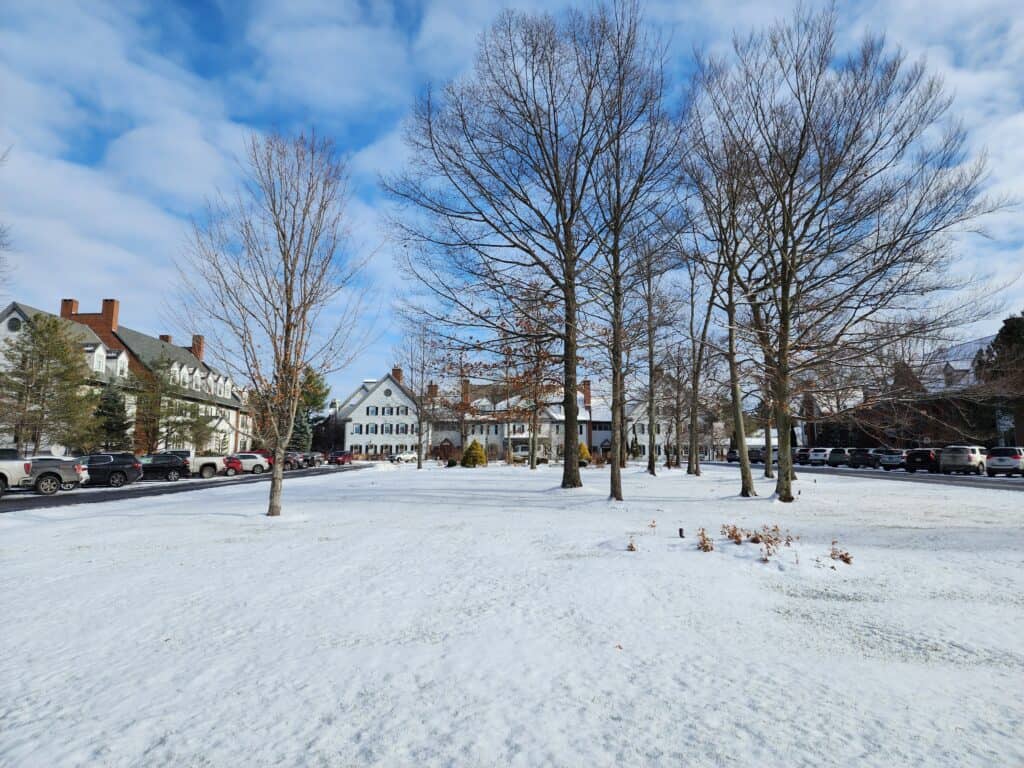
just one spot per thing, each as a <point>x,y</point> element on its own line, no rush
<point>789,221</point>
<point>49,396</point>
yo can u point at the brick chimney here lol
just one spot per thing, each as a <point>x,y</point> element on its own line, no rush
<point>109,313</point>
<point>585,386</point>
<point>198,346</point>
<point>102,323</point>
<point>432,390</point>
<point>396,374</point>
<point>165,337</point>
<point>465,391</point>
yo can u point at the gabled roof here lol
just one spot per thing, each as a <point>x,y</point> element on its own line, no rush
<point>367,388</point>
<point>80,334</point>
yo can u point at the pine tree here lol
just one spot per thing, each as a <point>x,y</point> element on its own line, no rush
<point>112,421</point>
<point>302,434</point>
<point>474,456</point>
<point>44,392</point>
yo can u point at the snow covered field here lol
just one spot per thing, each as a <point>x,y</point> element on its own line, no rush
<point>486,617</point>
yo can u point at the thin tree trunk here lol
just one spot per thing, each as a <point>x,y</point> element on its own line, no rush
<point>618,396</point>
<point>571,461</point>
<point>652,415</point>
<point>746,476</point>
<point>276,483</point>
<point>768,471</point>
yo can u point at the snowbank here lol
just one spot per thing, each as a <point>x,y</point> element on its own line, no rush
<point>485,617</point>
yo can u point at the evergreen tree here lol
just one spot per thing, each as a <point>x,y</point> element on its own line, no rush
<point>44,392</point>
<point>302,434</point>
<point>584,454</point>
<point>474,456</point>
<point>112,421</point>
<point>312,400</point>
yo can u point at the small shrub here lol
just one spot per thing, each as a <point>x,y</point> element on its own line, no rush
<point>734,533</point>
<point>474,456</point>
<point>452,463</point>
<point>840,554</point>
<point>704,542</point>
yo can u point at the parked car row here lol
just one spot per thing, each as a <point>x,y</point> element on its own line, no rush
<point>966,459</point>
<point>47,475</point>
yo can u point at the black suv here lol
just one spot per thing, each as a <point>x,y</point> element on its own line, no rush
<point>802,456</point>
<point>863,457</point>
<point>113,469</point>
<point>923,458</point>
<point>164,466</point>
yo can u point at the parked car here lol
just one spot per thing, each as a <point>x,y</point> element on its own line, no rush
<point>926,459</point>
<point>838,457</point>
<point>164,466</point>
<point>404,456</point>
<point>50,474</point>
<point>802,457</point>
<point>818,456</point>
<point>204,466</point>
<point>732,455</point>
<point>256,463</point>
<point>113,469</point>
<point>863,457</point>
<point>268,456</point>
<point>313,458</point>
<point>340,457</point>
<point>13,471</point>
<point>963,458</point>
<point>293,460</point>
<point>1005,460</point>
<point>892,458</point>
<point>232,466</point>
<point>755,455</point>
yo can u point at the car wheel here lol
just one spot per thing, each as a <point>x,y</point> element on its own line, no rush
<point>887,469</point>
<point>990,473</point>
<point>980,468</point>
<point>947,471</point>
<point>230,471</point>
<point>911,471</point>
<point>47,485</point>
<point>257,469</point>
<point>117,479</point>
<point>207,472</point>
<point>172,476</point>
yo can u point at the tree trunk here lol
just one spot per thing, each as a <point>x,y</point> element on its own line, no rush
<point>624,425</point>
<point>652,415</point>
<point>746,476</point>
<point>783,419</point>
<point>571,460</point>
<point>768,471</point>
<point>276,483</point>
<point>693,460</point>
<point>618,396</point>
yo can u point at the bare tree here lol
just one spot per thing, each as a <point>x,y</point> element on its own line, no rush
<point>499,181</point>
<point>635,173</point>
<point>858,177</point>
<point>271,283</point>
<point>420,361</point>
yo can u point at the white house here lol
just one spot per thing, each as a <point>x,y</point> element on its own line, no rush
<point>377,419</point>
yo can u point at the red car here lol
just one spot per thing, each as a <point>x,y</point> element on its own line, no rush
<point>340,457</point>
<point>232,466</point>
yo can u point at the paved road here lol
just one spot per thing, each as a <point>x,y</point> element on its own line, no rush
<point>13,500</point>
<point>898,475</point>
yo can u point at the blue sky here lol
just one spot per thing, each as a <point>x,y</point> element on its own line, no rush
<point>122,116</point>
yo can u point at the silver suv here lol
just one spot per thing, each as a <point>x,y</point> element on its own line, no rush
<point>1005,460</point>
<point>962,458</point>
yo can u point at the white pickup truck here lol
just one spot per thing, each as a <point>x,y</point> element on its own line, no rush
<point>201,466</point>
<point>12,472</point>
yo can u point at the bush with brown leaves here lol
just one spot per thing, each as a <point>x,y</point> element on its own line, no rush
<point>704,542</point>
<point>840,554</point>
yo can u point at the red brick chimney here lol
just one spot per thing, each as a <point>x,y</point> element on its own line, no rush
<point>109,313</point>
<point>165,337</point>
<point>198,346</point>
<point>432,390</point>
<point>585,386</point>
<point>465,391</point>
<point>102,323</point>
<point>396,374</point>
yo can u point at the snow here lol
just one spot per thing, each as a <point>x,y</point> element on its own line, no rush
<point>487,617</point>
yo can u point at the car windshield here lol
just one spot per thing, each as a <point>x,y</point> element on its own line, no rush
<point>1004,451</point>
<point>959,451</point>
